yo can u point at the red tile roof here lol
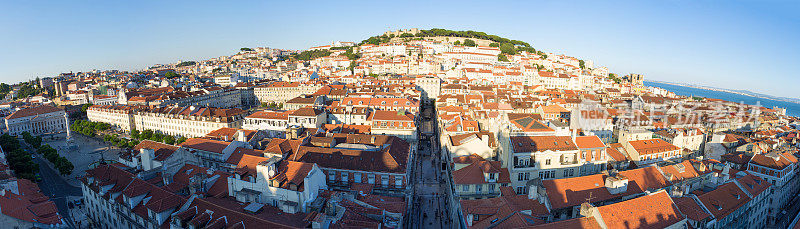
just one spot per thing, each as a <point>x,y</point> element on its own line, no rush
<point>162,151</point>
<point>205,144</point>
<point>29,205</point>
<point>270,115</point>
<point>691,209</point>
<point>588,142</point>
<point>651,146</point>
<point>474,173</point>
<point>44,109</point>
<point>573,191</point>
<point>582,222</point>
<point>542,143</point>
<point>391,159</point>
<point>724,200</point>
<point>651,211</point>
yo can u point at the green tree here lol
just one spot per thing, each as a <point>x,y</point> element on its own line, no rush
<point>494,44</point>
<point>85,107</point>
<point>246,49</point>
<point>8,142</point>
<point>132,143</point>
<point>49,153</point>
<point>180,140</point>
<point>169,140</point>
<point>135,134</point>
<point>582,64</point>
<point>352,67</point>
<point>146,134</point>
<point>64,166</point>
<point>31,140</point>
<point>457,43</point>
<point>22,163</point>
<point>172,75</point>
<point>157,137</point>
<point>470,43</point>
<point>311,54</point>
<point>121,143</point>
<point>27,90</point>
<point>186,63</point>
<point>508,49</point>
<point>614,77</point>
<point>502,57</point>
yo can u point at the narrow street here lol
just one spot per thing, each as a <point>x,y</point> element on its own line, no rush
<point>430,207</point>
<point>792,210</point>
<point>54,186</point>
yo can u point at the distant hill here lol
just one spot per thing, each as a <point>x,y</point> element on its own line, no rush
<point>508,46</point>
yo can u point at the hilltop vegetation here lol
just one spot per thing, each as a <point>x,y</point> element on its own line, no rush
<point>507,46</point>
<point>310,54</point>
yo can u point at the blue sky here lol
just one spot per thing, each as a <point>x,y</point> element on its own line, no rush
<point>751,45</point>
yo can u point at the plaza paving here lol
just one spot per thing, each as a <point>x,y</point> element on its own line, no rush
<point>83,152</point>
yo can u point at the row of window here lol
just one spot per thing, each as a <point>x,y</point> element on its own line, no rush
<point>357,178</point>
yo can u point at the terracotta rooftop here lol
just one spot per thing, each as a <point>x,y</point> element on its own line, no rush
<point>589,142</point>
<point>205,144</point>
<point>162,151</point>
<point>651,146</point>
<point>542,143</point>
<point>25,112</point>
<point>651,211</point>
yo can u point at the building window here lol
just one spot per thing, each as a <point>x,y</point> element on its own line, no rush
<point>547,162</point>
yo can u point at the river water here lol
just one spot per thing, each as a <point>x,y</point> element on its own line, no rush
<point>792,109</point>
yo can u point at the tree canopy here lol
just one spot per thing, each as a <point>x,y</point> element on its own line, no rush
<point>28,90</point>
<point>502,57</point>
<point>311,54</point>
<point>468,34</point>
<point>18,159</point>
<point>508,48</point>
<point>470,43</point>
<point>172,75</point>
<point>186,63</point>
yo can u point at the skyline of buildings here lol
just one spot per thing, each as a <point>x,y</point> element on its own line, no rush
<point>416,128</point>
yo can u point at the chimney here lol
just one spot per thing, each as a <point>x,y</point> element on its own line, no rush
<point>616,184</point>
<point>533,188</point>
<point>574,134</point>
<point>240,136</point>
<point>587,209</point>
